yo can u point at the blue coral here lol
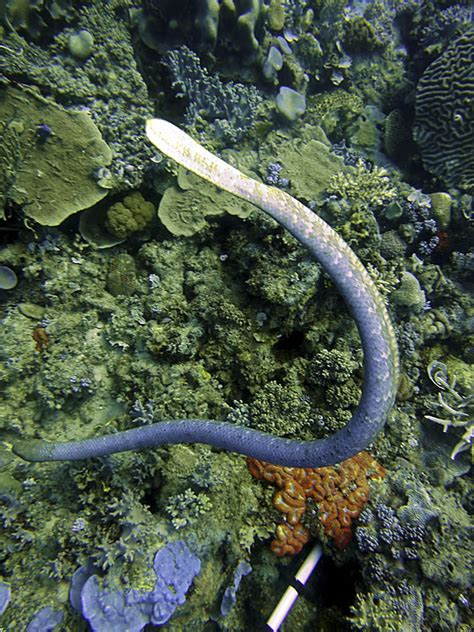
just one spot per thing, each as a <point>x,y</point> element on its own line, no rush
<point>230,107</point>
<point>112,609</point>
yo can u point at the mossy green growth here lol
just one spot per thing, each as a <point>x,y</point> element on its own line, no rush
<point>50,178</point>
<point>184,212</point>
<point>281,409</point>
<point>131,215</point>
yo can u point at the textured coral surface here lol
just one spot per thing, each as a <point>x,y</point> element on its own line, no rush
<point>340,491</point>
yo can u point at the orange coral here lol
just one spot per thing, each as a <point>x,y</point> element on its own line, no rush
<point>341,491</point>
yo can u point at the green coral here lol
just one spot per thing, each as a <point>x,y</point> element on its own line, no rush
<point>131,215</point>
<point>52,178</point>
<point>441,204</point>
<point>281,410</point>
<point>334,110</point>
<point>331,366</point>
<point>408,295</point>
<point>184,211</point>
<point>35,17</point>
<point>308,164</point>
<point>363,187</point>
<point>122,275</point>
<point>184,509</point>
<point>108,84</point>
<point>360,36</point>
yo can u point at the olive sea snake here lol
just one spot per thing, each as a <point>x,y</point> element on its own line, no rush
<point>353,282</point>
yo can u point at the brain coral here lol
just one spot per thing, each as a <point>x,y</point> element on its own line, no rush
<point>444,123</point>
<point>340,492</point>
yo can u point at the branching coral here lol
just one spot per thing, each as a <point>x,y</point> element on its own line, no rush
<point>340,491</point>
<point>362,187</point>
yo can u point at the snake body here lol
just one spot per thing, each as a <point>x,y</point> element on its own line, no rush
<point>355,285</point>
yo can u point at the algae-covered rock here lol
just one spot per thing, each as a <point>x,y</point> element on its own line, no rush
<point>184,212</point>
<point>48,157</point>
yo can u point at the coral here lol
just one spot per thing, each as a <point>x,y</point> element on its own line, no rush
<point>184,211</point>
<point>408,295</point>
<point>175,567</point>
<point>45,619</point>
<point>421,231</point>
<point>441,203</point>
<point>329,366</point>
<point>397,135</point>
<point>399,607</point>
<point>4,596</point>
<point>289,540</point>
<point>38,18</point>
<point>334,110</point>
<point>290,103</point>
<point>8,278</point>
<point>360,36</point>
<point>444,122</point>
<point>229,109</point>
<point>281,409</point>
<point>81,44</point>
<point>230,593</point>
<point>307,165</point>
<point>122,275</point>
<point>340,493</point>
<point>130,215</point>
<point>392,245</point>
<point>362,186</point>
<point>107,85</point>
<point>457,410</point>
<point>187,507</point>
<point>205,25</point>
<point>49,179</point>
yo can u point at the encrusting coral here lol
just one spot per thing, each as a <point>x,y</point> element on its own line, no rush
<point>340,491</point>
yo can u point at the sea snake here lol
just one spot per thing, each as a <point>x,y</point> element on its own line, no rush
<point>355,285</point>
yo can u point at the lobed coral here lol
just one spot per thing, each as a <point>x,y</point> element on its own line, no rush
<point>340,492</point>
<point>130,215</point>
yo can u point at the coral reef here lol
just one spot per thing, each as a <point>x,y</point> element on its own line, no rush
<point>214,312</point>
